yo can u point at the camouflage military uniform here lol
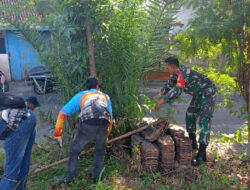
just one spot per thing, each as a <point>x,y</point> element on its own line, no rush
<point>202,104</point>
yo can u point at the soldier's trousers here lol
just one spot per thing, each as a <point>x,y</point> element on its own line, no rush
<point>201,106</point>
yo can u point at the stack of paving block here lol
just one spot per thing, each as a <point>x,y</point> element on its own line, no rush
<point>158,143</point>
<point>176,133</point>
<point>136,140</point>
<point>183,150</point>
<point>150,156</point>
<point>183,146</point>
<point>167,149</point>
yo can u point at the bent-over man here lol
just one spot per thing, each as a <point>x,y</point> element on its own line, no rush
<point>94,119</point>
<point>203,93</point>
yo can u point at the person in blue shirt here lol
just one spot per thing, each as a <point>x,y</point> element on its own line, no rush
<point>19,133</point>
<point>95,123</point>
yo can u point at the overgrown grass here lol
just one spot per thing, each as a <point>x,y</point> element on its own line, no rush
<point>119,171</point>
<point>217,173</point>
<point>223,173</point>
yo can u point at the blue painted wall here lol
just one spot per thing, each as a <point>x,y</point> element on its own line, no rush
<point>22,57</point>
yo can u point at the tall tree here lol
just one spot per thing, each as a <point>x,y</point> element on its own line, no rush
<point>222,25</point>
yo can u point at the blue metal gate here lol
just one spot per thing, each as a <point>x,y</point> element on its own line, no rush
<point>22,57</point>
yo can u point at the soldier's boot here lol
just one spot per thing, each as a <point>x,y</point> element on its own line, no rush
<point>192,136</point>
<point>205,157</point>
<point>201,156</point>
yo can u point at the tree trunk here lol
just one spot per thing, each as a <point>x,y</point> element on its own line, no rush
<point>248,106</point>
<point>244,84</point>
<point>248,125</point>
<point>92,67</point>
<point>244,70</point>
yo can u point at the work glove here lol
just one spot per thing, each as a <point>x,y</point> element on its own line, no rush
<point>59,141</point>
<point>109,128</point>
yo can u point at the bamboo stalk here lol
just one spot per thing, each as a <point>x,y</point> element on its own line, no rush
<point>92,149</point>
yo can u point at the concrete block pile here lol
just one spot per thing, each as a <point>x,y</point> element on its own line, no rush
<point>162,147</point>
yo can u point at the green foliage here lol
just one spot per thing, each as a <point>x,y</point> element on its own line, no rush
<point>47,117</point>
<point>119,68</point>
<point>118,175</point>
<point>159,21</point>
<point>217,37</point>
<point>239,136</point>
<point>148,103</point>
<point>213,180</point>
<point>130,41</point>
<point>148,107</point>
<point>2,155</point>
<point>225,83</point>
<point>221,22</point>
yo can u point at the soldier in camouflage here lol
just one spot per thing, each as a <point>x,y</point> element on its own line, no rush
<point>203,92</point>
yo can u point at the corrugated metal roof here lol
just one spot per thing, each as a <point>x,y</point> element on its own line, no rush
<point>22,16</point>
<point>24,13</point>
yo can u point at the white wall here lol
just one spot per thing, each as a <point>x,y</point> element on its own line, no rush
<point>4,66</point>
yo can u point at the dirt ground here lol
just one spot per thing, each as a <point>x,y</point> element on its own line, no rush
<point>225,150</point>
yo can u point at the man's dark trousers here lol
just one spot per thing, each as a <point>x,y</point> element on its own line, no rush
<point>84,134</point>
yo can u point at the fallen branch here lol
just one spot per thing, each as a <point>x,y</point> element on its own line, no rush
<point>60,162</point>
<point>49,137</point>
<point>128,134</point>
<point>92,149</point>
<point>38,146</point>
